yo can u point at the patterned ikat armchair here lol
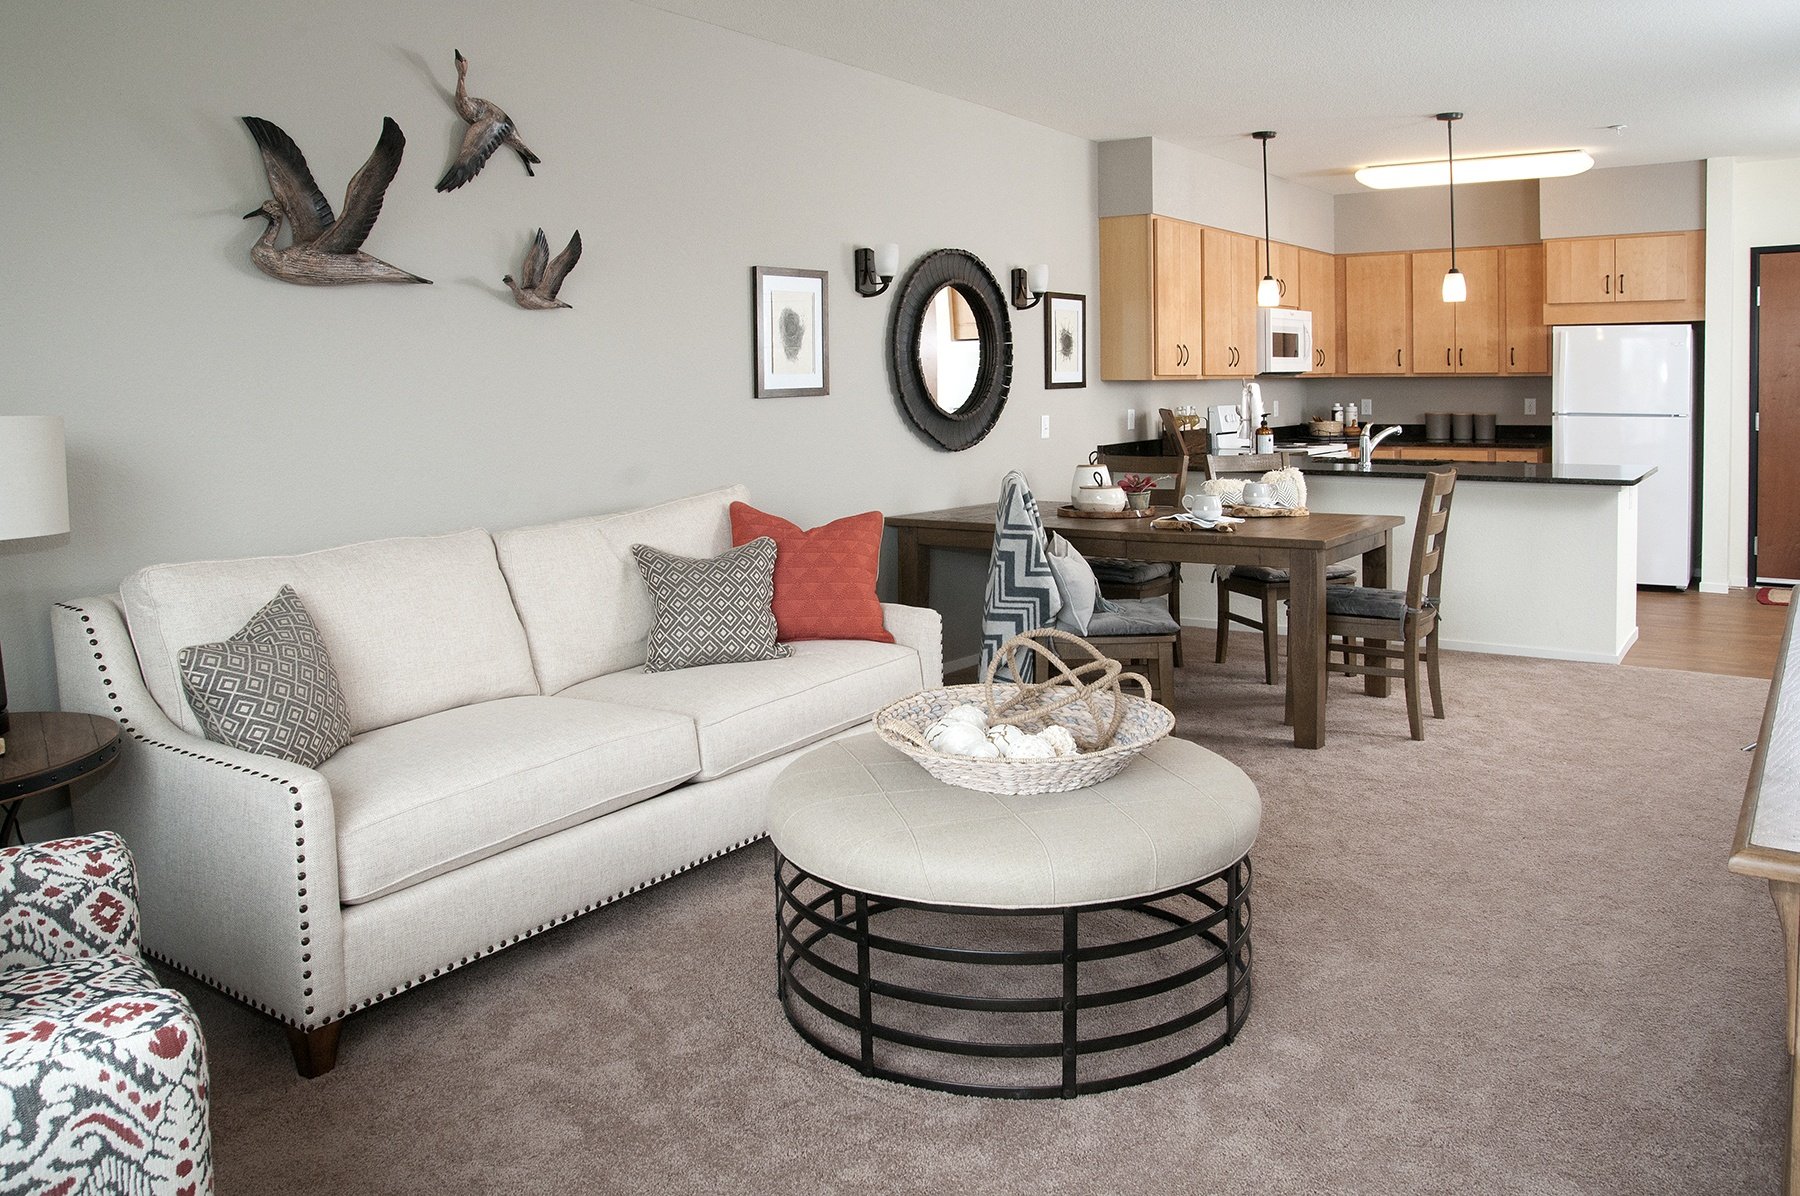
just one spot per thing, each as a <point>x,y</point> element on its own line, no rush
<point>102,1072</point>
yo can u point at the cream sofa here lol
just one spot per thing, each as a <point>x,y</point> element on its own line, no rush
<point>513,764</point>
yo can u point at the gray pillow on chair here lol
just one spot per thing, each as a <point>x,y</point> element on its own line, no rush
<point>1080,589</point>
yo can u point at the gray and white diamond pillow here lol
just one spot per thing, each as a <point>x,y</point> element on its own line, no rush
<point>716,611</point>
<point>270,688</point>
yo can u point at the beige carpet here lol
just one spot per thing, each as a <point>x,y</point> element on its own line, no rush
<point>1508,959</point>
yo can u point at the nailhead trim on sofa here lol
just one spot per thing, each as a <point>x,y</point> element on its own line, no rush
<point>310,1022</point>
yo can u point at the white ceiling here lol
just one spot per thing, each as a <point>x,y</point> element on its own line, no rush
<point>1345,83</point>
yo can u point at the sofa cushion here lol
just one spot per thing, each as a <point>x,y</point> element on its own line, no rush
<point>269,689</point>
<point>578,593</point>
<point>713,611</point>
<point>414,625</point>
<point>420,798</point>
<point>746,713</point>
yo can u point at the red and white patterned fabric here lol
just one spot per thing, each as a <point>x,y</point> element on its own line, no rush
<point>103,1083</point>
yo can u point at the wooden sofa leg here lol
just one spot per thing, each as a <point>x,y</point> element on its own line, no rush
<point>315,1051</point>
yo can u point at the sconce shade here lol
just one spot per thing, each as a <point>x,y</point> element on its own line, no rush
<point>1038,278</point>
<point>887,260</point>
<point>34,485</point>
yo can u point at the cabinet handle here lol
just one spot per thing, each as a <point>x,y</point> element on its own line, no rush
<point>1446,357</point>
<point>1512,355</point>
<point>1609,284</point>
<point>1621,284</point>
<point>1396,357</point>
<point>1459,359</point>
<point>1281,287</point>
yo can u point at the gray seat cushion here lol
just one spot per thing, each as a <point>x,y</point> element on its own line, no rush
<point>1266,573</point>
<point>1361,602</point>
<point>1134,616</point>
<point>1112,568</point>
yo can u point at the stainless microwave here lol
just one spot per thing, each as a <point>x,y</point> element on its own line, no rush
<point>1284,341</point>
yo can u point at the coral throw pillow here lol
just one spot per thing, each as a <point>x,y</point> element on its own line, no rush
<point>824,578</point>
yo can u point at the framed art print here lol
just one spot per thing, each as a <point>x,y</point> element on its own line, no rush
<point>791,351</point>
<point>1065,340</point>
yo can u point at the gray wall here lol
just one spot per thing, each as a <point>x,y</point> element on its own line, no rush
<point>215,412</point>
<point>1419,217</point>
<point>1668,197</point>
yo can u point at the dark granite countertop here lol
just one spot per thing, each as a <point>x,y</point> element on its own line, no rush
<point>1502,471</point>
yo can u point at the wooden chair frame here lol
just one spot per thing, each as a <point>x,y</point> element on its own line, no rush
<point>1174,469</point>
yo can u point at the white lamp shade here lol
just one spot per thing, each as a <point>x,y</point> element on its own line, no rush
<point>887,260</point>
<point>1037,278</point>
<point>34,480</point>
<point>1456,287</point>
<point>1268,293</point>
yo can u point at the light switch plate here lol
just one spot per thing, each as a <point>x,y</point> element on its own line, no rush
<point>1530,406</point>
<point>1368,406</point>
<point>1044,429</point>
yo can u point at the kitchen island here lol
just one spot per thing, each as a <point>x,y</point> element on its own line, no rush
<point>1541,559</point>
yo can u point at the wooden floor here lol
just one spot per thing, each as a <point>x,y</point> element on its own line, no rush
<point>1730,633</point>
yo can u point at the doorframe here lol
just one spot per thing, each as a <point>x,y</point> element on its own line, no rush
<point>1756,255</point>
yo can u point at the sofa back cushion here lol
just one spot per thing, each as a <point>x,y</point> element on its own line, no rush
<point>414,625</point>
<point>585,608</point>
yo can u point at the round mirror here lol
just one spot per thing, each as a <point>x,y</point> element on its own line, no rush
<point>950,348</point>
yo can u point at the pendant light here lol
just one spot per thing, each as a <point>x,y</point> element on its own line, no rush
<point>1456,287</point>
<point>1268,291</point>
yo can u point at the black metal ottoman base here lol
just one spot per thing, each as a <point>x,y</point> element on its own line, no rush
<point>930,1000</point>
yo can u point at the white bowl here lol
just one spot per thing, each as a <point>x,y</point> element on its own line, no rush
<point>1099,498</point>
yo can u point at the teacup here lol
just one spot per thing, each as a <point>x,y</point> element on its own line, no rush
<point>1205,506</point>
<point>1258,494</point>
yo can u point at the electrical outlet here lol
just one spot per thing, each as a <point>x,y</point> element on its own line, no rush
<point>1044,429</point>
<point>1530,406</point>
<point>1131,419</point>
<point>1274,408</point>
<point>1368,407</point>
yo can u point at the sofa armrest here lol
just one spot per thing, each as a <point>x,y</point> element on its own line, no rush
<point>921,629</point>
<point>67,899</point>
<point>237,852</point>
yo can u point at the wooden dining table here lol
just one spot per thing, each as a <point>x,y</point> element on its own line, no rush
<point>1303,545</point>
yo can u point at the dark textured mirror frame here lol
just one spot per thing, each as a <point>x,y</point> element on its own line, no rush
<point>964,271</point>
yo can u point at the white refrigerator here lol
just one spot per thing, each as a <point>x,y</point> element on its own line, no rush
<point>1623,394</point>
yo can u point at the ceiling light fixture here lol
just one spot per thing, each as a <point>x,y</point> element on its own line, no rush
<point>1456,287</point>
<point>1552,164</point>
<point>1268,291</point>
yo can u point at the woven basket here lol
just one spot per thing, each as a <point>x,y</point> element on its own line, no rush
<point>1109,725</point>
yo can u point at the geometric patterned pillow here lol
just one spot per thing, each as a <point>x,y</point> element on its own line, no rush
<point>270,688</point>
<point>710,611</point>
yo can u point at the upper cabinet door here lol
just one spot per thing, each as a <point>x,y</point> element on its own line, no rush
<point>1478,318</point>
<point>1433,320</point>
<point>1288,281</point>
<point>1652,268</point>
<point>1177,298</point>
<point>1318,294</point>
<point>1527,345</point>
<point>1579,271</point>
<point>1377,312</point>
<point>1228,343</point>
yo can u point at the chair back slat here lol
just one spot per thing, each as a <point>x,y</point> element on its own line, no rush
<point>1246,464</point>
<point>1170,473</point>
<point>1426,576</point>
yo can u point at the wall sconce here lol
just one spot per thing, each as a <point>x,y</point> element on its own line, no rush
<point>1029,285</point>
<point>875,269</point>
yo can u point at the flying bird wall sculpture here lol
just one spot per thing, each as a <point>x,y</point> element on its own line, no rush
<point>326,249</point>
<point>541,278</point>
<point>489,129</point>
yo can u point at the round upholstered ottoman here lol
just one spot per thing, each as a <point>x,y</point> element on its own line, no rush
<point>1041,945</point>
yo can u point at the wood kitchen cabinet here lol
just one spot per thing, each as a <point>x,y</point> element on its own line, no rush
<point>1318,294</point>
<point>1460,452</point>
<point>1456,338</point>
<point>1150,302</point>
<point>1284,265</point>
<point>1377,313</point>
<point>1643,276</point>
<point>1527,343</point>
<point>1229,270</point>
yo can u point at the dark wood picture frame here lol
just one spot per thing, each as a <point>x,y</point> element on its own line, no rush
<point>803,339</point>
<point>1056,302</point>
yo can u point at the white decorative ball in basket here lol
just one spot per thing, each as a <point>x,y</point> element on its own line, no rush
<point>1109,726</point>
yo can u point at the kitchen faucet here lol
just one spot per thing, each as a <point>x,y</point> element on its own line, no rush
<point>1366,445</point>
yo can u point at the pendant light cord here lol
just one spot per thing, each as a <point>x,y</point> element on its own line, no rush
<point>1267,270</point>
<point>1450,164</point>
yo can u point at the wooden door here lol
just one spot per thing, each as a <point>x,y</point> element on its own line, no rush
<point>1433,320</point>
<point>1228,303</point>
<point>1318,294</point>
<point>1527,342</point>
<point>1651,268</point>
<point>1579,270</point>
<point>1377,312</point>
<point>1775,397</point>
<point>1177,300</point>
<point>1479,317</point>
<point>1287,272</point>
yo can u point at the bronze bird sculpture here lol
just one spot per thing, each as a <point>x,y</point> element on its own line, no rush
<point>489,129</point>
<point>541,277</point>
<point>326,250</point>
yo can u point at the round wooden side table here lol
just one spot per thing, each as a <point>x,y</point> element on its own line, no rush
<point>46,750</point>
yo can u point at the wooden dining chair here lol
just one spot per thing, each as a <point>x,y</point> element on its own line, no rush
<point>1410,616</point>
<point>1268,586</point>
<point>1124,578</point>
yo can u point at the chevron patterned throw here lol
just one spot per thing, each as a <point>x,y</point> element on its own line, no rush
<point>1021,590</point>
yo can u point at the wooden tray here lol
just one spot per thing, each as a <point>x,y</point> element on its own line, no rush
<point>1266,512</point>
<point>1068,511</point>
